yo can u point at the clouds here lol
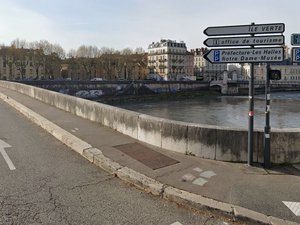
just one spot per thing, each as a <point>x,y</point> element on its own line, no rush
<point>16,21</point>
<point>133,23</point>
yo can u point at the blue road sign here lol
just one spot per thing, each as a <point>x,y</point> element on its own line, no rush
<point>296,55</point>
<point>217,56</point>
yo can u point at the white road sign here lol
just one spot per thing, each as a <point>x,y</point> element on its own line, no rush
<point>245,41</point>
<point>245,55</point>
<point>296,55</point>
<point>245,29</point>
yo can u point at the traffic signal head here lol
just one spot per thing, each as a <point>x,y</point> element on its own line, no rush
<point>274,74</point>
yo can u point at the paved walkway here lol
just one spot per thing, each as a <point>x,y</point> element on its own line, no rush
<point>274,192</point>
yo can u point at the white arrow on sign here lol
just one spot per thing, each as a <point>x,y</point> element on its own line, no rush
<point>294,207</point>
<point>244,41</point>
<point>3,145</point>
<point>245,55</point>
<point>245,29</point>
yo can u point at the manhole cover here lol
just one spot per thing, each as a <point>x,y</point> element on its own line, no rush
<point>147,156</point>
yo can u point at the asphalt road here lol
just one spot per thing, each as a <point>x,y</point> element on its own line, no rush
<point>54,185</point>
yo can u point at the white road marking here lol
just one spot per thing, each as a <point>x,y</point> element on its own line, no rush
<point>176,223</point>
<point>297,166</point>
<point>188,177</point>
<point>208,174</point>
<point>5,156</point>
<point>197,169</point>
<point>75,129</point>
<point>294,207</point>
<point>200,181</point>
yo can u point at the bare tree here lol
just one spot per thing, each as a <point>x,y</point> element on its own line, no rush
<point>71,53</point>
<point>82,52</point>
<point>127,51</point>
<point>105,50</point>
<point>45,46</point>
<point>52,66</point>
<point>139,50</point>
<point>19,43</point>
<point>39,60</point>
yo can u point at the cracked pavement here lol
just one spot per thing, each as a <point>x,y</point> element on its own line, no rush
<point>54,185</point>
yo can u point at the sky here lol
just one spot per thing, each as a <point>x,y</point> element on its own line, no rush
<point>120,24</point>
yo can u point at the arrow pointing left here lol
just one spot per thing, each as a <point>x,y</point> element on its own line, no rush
<point>3,145</point>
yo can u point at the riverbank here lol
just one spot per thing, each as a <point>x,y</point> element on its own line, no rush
<point>112,100</point>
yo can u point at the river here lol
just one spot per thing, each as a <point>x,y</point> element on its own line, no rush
<point>230,111</point>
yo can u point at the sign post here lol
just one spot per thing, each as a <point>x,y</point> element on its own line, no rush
<point>267,162</point>
<point>251,112</point>
<point>249,55</point>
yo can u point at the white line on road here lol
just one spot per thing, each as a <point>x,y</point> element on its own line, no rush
<point>176,223</point>
<point>297,166</point>
<point>294,207</point>
<point>3,145</point>
<point>7,159</point>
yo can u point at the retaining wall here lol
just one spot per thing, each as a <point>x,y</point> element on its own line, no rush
<point>211,142</point>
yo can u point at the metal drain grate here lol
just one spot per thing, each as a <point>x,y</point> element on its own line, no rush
<point>147,156</point>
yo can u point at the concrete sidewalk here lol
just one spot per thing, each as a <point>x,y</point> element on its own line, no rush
<point>263,191</point>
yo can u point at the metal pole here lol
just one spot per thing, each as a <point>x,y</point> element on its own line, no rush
<point>251,117</point>
<point>251,112</point>
<point>267,162</point>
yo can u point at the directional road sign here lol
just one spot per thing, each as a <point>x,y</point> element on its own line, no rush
<point>296,55</point>
<point>245,29</point>
<point>295,39</point>
<point>244,41</point>
<point>245,55</point>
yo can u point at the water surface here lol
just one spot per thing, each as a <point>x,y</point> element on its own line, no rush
<point>225,110</point>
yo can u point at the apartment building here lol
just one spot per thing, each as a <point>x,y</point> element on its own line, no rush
<point>288,72</point>
<point>14,65</point>
<point>205,69</point>
<point>168,59</point>
<point>17,64</point>
<point>189,64</point>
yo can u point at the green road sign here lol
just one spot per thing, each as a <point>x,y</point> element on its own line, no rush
<point>295,39</point>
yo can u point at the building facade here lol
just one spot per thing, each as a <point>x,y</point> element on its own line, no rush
<point>167,58</point>
<point>189,64</point>
<point>205,69</point>
<point>20,64</point>
<point>288,72</point>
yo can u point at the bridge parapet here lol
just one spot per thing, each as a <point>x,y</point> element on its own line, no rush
<point>212,142</point>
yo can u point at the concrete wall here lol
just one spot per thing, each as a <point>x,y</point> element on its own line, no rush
<point>211,142</point>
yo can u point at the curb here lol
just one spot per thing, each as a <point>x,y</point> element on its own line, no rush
<point>139,180</point>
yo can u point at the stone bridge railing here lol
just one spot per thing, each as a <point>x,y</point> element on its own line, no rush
<point>211,142</point>
<point>98,89</point>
